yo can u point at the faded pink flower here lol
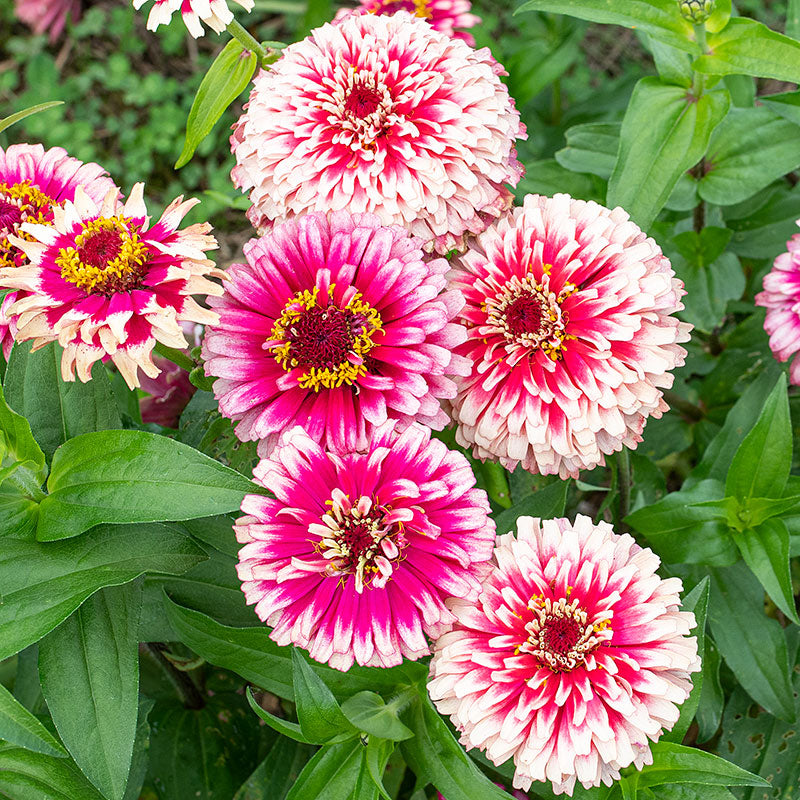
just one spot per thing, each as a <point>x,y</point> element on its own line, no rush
<point>354,557</point>
<point>335,324</point>
<point>575,655</point>
<point>33,182</point>
<point>443,15</point>
<point>47,16</point>
<point>214,13</point>
<point>570,335</point>
<point>105,283</point>
<point>781,298</point>
<point>386,115</point>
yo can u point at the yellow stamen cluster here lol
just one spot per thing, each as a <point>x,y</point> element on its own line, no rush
<point>362,322</point>
<point>120,273</point>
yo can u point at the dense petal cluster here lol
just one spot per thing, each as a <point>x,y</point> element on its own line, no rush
<point>381,114</point>
<point>335,323</point>
<point>781,298</point>
<point>571,335</point>
<point>446,16</point>
<point>356,553</point>
<point>103,282</point>
<point>33,182</point>
<point>47,16</point>
<point>214,13</point>
<point>575,655</point>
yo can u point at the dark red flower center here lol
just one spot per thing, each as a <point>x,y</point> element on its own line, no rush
<point>560,635</point>
<point>357,537</point>
<point>100,248</point>
<point>10,215</point>
<point>362,101</point>
<point>524,315</point>
<point>323,337</point>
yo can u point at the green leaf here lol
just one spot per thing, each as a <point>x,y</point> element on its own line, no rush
<point>203,754</point>
<point>318,12</point>
<point>141,746</point>
<point>709,711</point>
<point>89,670</point>
<point>591,147</point>
<point>765,550</point>
<point>674,763</point>
<point>26,775</point>
<point>648,167</point>
<point>379,751</point>
<point>762,232</point>
<point>747,47</point>
<point>133,476</point>
<point>225,80</point>
<point>697,602</point>
<point>12,119</point>
<point>56,409</point>
<point>762,462</point>
<point>19,727</point>
<point>369,712</point>
<point>793,19</point>
<point>253,655</point>
<point>752,644</point>
<point>544,503</point>
<point>673,65</point>
<point>333,773</point>
<point>321,718</point>
<point>786,105</point>
<point>682,530</point>
<point>660,18</point>
<point>548,177</point>
<point>282,726</point>
<point>436,756</point>
<point>44,583</point>
<point>750,149</point>
<point>276,774</point>
<point>18,445</point>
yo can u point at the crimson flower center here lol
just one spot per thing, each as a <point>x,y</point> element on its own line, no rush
<point>362,101</point>
<point>561,635</point>
<point>525,314</point>
<point>323,337</point>
<point>10,215</point>
<point>20,203</point>
<point>100,248</point>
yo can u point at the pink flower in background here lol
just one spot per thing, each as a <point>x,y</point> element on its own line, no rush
<point>214,13</point>
<point>44,16</point>
<point>571,336</point>
<point>335,324</point>
<point>575,656</point>
<point>105,283</point>
<point>33,182</point>
<point>354,557</point>
<point>386,115</point>
<point>443,15</point>
<point>781,298</point>
<point>516,793</point>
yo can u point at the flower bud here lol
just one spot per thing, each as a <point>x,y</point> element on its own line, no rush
<point>696,11</point>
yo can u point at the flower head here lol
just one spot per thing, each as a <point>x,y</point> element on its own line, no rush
<point>443,15</point>
<point>44,16</point>
<point>214,13</point>
<point>381,114</point>
<point>354,557</point>
<point>570,335</point>
<point>104,282</point>
<point>574,656</point>
<point>33,182</point>
<point>781,298</point>
<point>335,324</point>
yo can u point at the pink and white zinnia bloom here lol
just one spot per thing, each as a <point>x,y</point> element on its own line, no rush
<point>446,16</point>
<point>33,182</point>
<point>571,336</point>
<point>336,324</point>
<point>575,655</point>
<point>354,557</point>
<point>214,13</point>
<point>381,114</point>
<point>781,298</point>
<point>104,282</point>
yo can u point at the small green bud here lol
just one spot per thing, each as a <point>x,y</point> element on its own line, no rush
<point>696,11</point>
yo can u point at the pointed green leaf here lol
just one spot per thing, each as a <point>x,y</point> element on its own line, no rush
<point>273,778</point>
<point>591,147</point>
<point>282,726</point>
<point>12,119</point>
<point>369,712</point>
<point>26,775</point>
<point>333,774</point>
<point>378,753</point>
<point>543,503</point>
<point>19,727</point>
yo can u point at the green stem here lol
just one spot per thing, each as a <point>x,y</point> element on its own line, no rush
<point>688,410</point>
<point>624,475</point>
<point>181,682</point>
<point>246,40</point>
<point>496,484</point>
<point>175,356</point>
<point>699,80</point>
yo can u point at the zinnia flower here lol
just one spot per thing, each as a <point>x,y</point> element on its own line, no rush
<point>781,298</point>
<point>570,335</point>
<point>573,657</point>
<point>214,13</point>
<point>334,324</point>
<point>381,114</point>
<point>442,15</point>
<point>104,282</point>
<point>354,557</point>
<point>44,16</point>
<point>33,182</point>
